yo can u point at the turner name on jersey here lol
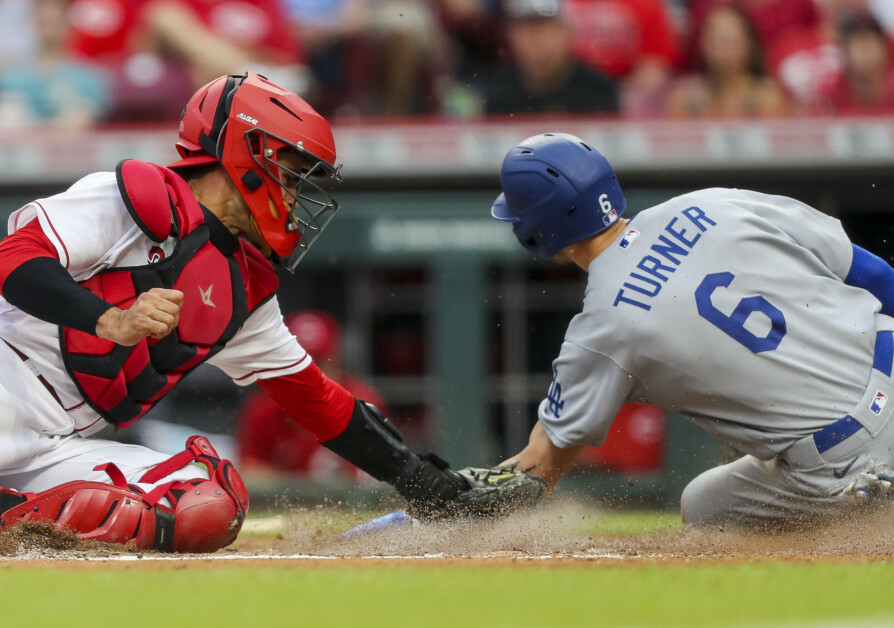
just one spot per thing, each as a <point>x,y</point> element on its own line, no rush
<point>656,271</point>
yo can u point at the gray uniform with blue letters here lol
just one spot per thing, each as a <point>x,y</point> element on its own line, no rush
<point>729,307</point>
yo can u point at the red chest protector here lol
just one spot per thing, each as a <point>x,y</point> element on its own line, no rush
<point>222,279</point>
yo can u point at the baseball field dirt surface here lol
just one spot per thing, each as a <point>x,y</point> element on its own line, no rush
<point>568,564</point>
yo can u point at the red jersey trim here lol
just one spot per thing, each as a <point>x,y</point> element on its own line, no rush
<point>278,368</point>
<point>75,407</point>
<point>55,233</point>
<point>87,427</point>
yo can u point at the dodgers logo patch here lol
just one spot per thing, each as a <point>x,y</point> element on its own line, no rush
<point>628,238</point>
<point>879,402</point>
<point>554,396</point>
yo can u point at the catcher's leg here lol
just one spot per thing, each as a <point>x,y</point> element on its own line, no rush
<point>167,508</point>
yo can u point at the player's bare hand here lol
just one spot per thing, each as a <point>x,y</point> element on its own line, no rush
<point>154,314</point>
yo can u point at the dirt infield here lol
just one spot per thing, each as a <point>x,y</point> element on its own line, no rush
<point>561,535</point>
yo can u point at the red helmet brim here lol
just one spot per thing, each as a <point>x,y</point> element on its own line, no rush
<point>193,160</point>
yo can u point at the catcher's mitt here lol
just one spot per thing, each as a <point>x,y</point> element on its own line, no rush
<point>493,492</point>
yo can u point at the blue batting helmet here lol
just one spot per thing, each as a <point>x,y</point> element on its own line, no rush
<point>557,190</point>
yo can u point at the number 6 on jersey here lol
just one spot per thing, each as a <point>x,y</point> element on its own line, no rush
<point>734,324</point>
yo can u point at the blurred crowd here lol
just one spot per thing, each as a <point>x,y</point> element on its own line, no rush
<point>80,62</point>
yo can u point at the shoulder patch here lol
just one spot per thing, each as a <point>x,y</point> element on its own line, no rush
<point>629,236</point>
<point>146,197</point>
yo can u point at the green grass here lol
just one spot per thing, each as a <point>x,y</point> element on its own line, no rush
<point>622,523</point>
<point>427,593</point>
<point>756,594</point>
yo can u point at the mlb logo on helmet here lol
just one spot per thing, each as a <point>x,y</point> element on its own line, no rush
<point>629,237</point>
<point>610,217</point>
<point>879,402</point>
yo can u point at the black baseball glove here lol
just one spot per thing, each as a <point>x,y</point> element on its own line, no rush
<point>491,492</point>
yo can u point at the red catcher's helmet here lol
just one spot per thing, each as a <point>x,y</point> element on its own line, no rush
<point>244,122</point>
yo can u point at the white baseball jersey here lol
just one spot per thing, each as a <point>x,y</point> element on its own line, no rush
<point>91,230</point>
<point>727,307</point>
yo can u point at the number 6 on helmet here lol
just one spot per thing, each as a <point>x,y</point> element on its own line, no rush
<point>557,190</point>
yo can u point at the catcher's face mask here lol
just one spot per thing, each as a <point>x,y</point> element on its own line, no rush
<point>294,187</point>
<point>246,123</point>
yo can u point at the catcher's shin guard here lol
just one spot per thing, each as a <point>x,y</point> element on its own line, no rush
<point>372,443</point>
<point>201,515</point>
<point>10,498</point>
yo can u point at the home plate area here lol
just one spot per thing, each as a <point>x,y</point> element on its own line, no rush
<point>562,533</point>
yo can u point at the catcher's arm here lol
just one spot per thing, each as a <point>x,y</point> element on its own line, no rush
<point>541,457</point>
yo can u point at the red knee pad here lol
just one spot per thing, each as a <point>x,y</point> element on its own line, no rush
<point>203,516</point>
<point>210,514</point>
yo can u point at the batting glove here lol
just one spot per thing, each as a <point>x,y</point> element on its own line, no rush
<point>873,484</point>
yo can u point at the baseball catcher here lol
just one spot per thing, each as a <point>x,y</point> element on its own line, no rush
<point>118,288</point>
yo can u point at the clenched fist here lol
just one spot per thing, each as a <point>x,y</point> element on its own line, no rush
<point>154,314</point>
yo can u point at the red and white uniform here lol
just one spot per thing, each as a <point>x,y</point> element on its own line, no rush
<point>43,442</point>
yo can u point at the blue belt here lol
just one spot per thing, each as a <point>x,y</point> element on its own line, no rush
<point>847,426</point>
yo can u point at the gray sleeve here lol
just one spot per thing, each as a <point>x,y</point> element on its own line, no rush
<point>586,393</point>
<point>817,232</point>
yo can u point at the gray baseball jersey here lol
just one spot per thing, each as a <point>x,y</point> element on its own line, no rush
<point>728,307</point>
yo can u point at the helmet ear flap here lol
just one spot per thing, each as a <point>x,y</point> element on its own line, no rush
<point>557,190</point>
<point>210,142</point>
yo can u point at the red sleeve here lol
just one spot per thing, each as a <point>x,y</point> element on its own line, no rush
<point>317,403</point>
<point>27,243</point>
